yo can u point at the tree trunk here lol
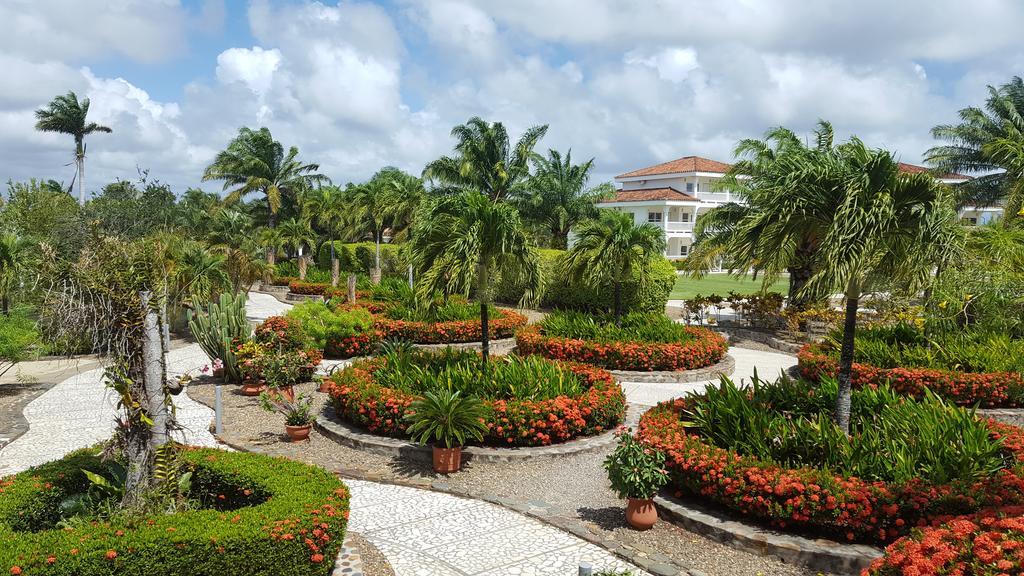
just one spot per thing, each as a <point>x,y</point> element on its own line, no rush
<point>81,179</point>
<point>5,302</point>
<point>799,274</point>
<point>482,295</point>
<point>302,264</point>
<point>842,415</point>
<point>335,267</point>
<point>617,303</point>
<point>375,274</point>
<point>153,362</point>
<point>351,288</point>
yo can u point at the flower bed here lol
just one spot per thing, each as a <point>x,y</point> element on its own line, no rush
<point>313,289</point>
<point>599,405</point>
<point>704,348</point>
<point>819,501</point>
<point>268,515</point>
<point>989,389</point>
<point>981,544</point>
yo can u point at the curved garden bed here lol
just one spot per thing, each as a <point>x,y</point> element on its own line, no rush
<point>817,500</point>
<point>593,402</point>
<point>269,515</point>
<point>699,348</point>
<point>987,389</point>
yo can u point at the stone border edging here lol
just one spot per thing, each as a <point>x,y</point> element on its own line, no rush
<point>816,554</point>
<point>768,340</point>
<point>500,346</point>
<point>343,433</point>
<point>348,562</point>
<point>293,297</point>
<point>724,368</point>
<point>1011,416</point>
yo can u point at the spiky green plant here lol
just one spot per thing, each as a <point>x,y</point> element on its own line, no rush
<point>220,328</point>
<point>448,418</point>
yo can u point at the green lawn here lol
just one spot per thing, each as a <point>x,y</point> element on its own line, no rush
<point>721,284</point>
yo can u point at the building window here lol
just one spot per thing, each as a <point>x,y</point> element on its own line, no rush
<point>684,250</point>
<point>689,187</point>
<point>686,216</point>
<point>970,221</point>
<point>654,217</point>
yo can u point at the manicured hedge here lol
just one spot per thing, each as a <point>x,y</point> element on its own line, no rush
<point>504,325</point>
<point>360,257</point>
<point>262,516</point>
<point>703,349</point>
<point>561,292</point>
<point>359,399</point>
<point>817,501</point>
<point>987,389</point>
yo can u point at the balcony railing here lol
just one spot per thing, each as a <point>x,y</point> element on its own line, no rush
<point>714,196</point>
<point>678,226</point>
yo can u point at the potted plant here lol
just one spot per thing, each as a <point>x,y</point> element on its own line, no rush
<point>448,419</point>
<point>636,472</point>
<point>298,420</point>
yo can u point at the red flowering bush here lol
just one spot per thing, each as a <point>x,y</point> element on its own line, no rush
<point>989,389</point>
<point>990,543</point>
<point>816,500</point>
<point>314,289</point>
<point>703,348</point>
<point>357,397</point>
<point>283,516</point>
<point>280,332</point>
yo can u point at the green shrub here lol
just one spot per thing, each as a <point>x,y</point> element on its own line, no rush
<point>253,516</point>
<point>510,377</point>
<point>322,323</point>
<point>893,438</point>
<point>636,327</point>
<point>314,274</point>
<point>562,292</point>
<point>359,257</point>
<point>903,345</point>
<point>447,417</point>
<point>18,335</point>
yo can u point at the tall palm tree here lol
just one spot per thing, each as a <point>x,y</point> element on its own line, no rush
<point>67,115</point>
<point>15,254</point>
<point>749,235</point>
<point>557,197</point>
<point>463,240</point>
<point>484,161</point>
<point>403,195</point>
<point>609,249</point>
<point>988,142</point>
<point>886,228</point>
<point>325,208</point>
<point>298,235</point>
<point>255,162</point>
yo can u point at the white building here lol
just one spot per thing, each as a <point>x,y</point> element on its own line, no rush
<point>672,195</point>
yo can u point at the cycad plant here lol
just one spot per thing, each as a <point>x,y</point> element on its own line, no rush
<point>446,418</point>
<point>608,250</point>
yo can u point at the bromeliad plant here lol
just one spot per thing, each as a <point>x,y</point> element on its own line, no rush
<point>635,470</point>
<point>447,418</point>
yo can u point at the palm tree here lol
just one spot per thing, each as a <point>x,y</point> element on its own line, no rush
<point>387,201</point>
<point>557,197</point>
<point>752,235</point>
<point>15,253</point>
<point>403,195</point>
<point>255,162</point>
<point>298,235</point>
<point>610,248</point>
<point>325,208</point>
<point>463,240</point>
<point>886,228</point>
<point>484,161</point>
<point>989,142</point>
<point>272,240</point>
<point>66,115</point>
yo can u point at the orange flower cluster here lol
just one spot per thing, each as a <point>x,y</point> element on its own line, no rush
<point>989,389</point>
<point>357,398</point>
<point>808,499</point>
<point>313,289</point>
<point>703,349</point>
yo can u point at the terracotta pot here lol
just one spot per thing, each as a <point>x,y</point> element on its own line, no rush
<point>641,513</point>
<point>447,460</point>
<point>252,388</point>
<point>218,372</point>
<point>325,386</point>
<point>298,433</point>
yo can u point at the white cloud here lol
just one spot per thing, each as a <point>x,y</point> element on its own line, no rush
<point>253,67</point>
<point>673,64</point>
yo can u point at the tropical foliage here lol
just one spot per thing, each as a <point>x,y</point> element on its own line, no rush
<point>67,115</point>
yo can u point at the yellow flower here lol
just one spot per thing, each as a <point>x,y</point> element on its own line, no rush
<point>942,305</point>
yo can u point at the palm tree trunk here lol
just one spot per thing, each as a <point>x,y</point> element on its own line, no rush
<point>268,276</point>
<point>5,301</point>
<point>845,378</point>
<point>302,266</point>
<point>617,303</point>
<point>799,274</point>
<point>335,267</point>
<point>482,294</point>
<point>375,276</point>
<point>81,179</point>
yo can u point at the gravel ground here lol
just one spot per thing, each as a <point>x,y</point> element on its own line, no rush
<point>575,485</point>
<point>374,563</point>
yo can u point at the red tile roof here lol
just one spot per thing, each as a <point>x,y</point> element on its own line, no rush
<point>680,165</point>
<point>648,194</point>
<point>915,169</point>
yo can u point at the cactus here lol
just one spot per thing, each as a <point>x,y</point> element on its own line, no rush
<point>220,328</point>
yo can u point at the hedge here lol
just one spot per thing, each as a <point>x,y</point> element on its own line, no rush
<point>987,389</point>
<point>703,349</point>
<point>561,292</point>
<point>359,257</point>
<point>357,398</point>
<point>817,501</point>
<point>262,516</point>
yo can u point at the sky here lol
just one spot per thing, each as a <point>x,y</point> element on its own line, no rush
<point>358,85</point>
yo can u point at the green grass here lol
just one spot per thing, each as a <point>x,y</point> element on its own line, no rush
<point>721,284</point>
